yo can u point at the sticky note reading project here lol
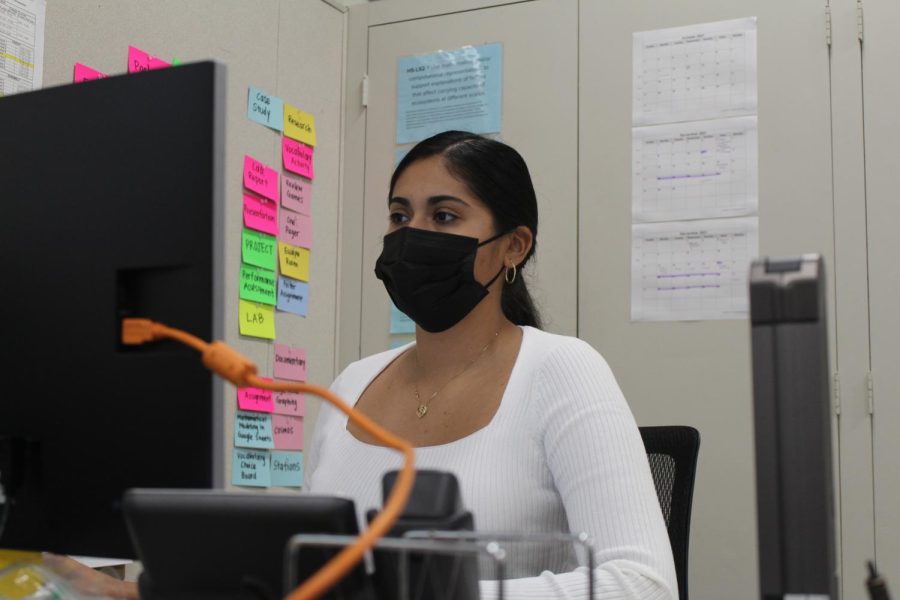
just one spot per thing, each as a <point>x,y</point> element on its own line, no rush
<point>255,399</point>
<point>294,261</point>
<point>256,320</point>
<point>260,178</point>
<point>258,249</point>
<point>250,467</point>
<point>287,469</point>
<point>299,125</point>
<point>297,157</point>
<point>260,214</point>
<point>265,109</point>
<point>295,229</point>
<point>257,285</point>
<point>296,194</point>
<point>289,403</point>
<point>290,363</point>
<point>85,73</point>
<point>293,296</point>
<point>253,430</point>
<point>288,432</point>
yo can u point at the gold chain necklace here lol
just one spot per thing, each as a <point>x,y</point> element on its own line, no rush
<point>422,407</point>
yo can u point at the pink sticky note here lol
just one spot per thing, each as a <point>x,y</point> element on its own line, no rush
<point>290,363</point>
<point>255,399</point>
<point>296,194</point>
<point>158,63</point>
<point>295,229</point>
<point>138,60</point>
<point>260,179</point>
<point>260,214</point>
<point>288,432</point>
<point>298,157</point>
<point>290,403</point>
<point>85,73</point>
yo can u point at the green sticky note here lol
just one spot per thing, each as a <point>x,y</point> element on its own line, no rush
<point>257,285</point>
<point>259,249</point>
<point>176,62</point>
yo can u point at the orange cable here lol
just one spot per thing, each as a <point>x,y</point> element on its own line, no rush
<point>237,369</point>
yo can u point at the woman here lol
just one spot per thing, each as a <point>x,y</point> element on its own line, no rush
<point>533,424</point>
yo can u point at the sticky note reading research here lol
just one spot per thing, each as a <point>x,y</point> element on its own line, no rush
<point>299,125</point>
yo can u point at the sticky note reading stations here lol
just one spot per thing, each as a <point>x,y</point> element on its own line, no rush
<point>258,249</point>
<point>294,261</point>
<point>297,157</point>
<point>293,296</point>
<point>257,285</point>
<point>138,61</point>
<point>253,430</point>
<point>287,469</point>
<point>255,399</point>
<point>289,403</point>
<point>288,432</point>
<point>296,194</point>
<point>265,109</point>
<point>290,363</point>
<point>256,320</point>
<point>85,73</point>
<point>260,214</point>
<point>295,229</point>
<point>260,179</point>
<point>299,125</point>
<point>250,467</point>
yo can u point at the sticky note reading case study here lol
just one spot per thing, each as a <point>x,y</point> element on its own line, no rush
<point>265,109</point>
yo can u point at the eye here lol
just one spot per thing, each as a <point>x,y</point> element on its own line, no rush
<point>442,216</point>
<point>398,218</point>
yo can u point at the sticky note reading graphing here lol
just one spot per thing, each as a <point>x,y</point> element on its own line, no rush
<point>260,214</point>
<point>287,469</point>
<point>253,430</point>
<point>257,285</point>
<point>260,178</point>
<point>256,320</point>
<point>265,109</point>
<point>295,229</point>
<point>258,249</point>
<point>296,194</point>
<point>294,261</point>
<point>288,432</point>
<point>297,157</point>
<point>255,399</point>
<point>250,467</point>
<point>299,125</point>
<point>289,403</point>
<point>293,296</point>
<point>85,73</point>
<point>290,363</point>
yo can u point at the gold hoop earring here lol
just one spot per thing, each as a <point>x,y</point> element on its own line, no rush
<point>507,278</point>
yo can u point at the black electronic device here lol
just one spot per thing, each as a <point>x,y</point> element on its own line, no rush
<point>112,206</point>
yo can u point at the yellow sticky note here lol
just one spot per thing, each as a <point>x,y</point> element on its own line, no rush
<point>257,320</point>
<point>294,261</point>
<point>299,125</point>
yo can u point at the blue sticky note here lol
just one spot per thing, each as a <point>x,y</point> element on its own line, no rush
<point>250,467</point>
<point>293,296</point>
<point>400,323</point>
<point>456,89</point>
<point>253,430</point>
<point>287,469</point>
<point>265,109</point>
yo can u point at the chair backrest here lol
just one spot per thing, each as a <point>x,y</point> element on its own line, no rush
<point>672,453</point>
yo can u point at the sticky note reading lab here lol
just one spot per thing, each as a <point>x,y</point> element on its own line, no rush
<point>288,432</point>
<point>290,363</point>
<point>256,320</point>
<point>257,285</point>
<point>289,403</point>
<point>260,214</point>
<point>255,399</point>
<point>299,125</point>
<point>297,157</point>
<point>265,109</point>
<point>250,467</point>
<point>287,469</point>
<point>296,194</point>
<point>294,261</point>
<point>253,430</point>
<point>258,249</point>
<point>295,229</point>
<point>260,179</point>
<point>293,296</point>
<point>85,73</point>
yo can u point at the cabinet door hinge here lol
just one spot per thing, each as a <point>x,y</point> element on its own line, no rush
<point>828,25</point>
<point>365,90</point>
<point>870,392</point>
<point>836,392</point>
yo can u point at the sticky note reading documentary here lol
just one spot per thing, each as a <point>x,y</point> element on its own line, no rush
<point>265,109</point>
<point>257,285</point>
<point>294,261</point>
<point>289,403</point>
<point>255,399</point>
<point>288,432</point>
<point>293,296</point>
<point>85,73</point>
<point>260,214</point>
<point>290,363</point>
<point>250,467</point>
<point>296,194</point>
<point>256,320</point>
<point>258,249</point>
<point>297,157</point>
<point>253,430</point>
<point>287,469</point>
<point>295,229</point>
<point>299,125</point>
<point>260,178</point>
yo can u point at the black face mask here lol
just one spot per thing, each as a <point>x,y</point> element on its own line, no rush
<point>430,276</point>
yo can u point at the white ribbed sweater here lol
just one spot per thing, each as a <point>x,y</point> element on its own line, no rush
<point>562,454</point>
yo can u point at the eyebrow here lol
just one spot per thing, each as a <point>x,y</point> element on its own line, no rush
<point>431,201</point>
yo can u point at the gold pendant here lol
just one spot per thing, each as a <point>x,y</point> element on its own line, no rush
<point>420,412</point>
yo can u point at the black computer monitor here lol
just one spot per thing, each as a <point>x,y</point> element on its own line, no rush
<point>111,195</point>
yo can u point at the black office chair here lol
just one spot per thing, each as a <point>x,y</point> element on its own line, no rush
<point>672,453</point>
